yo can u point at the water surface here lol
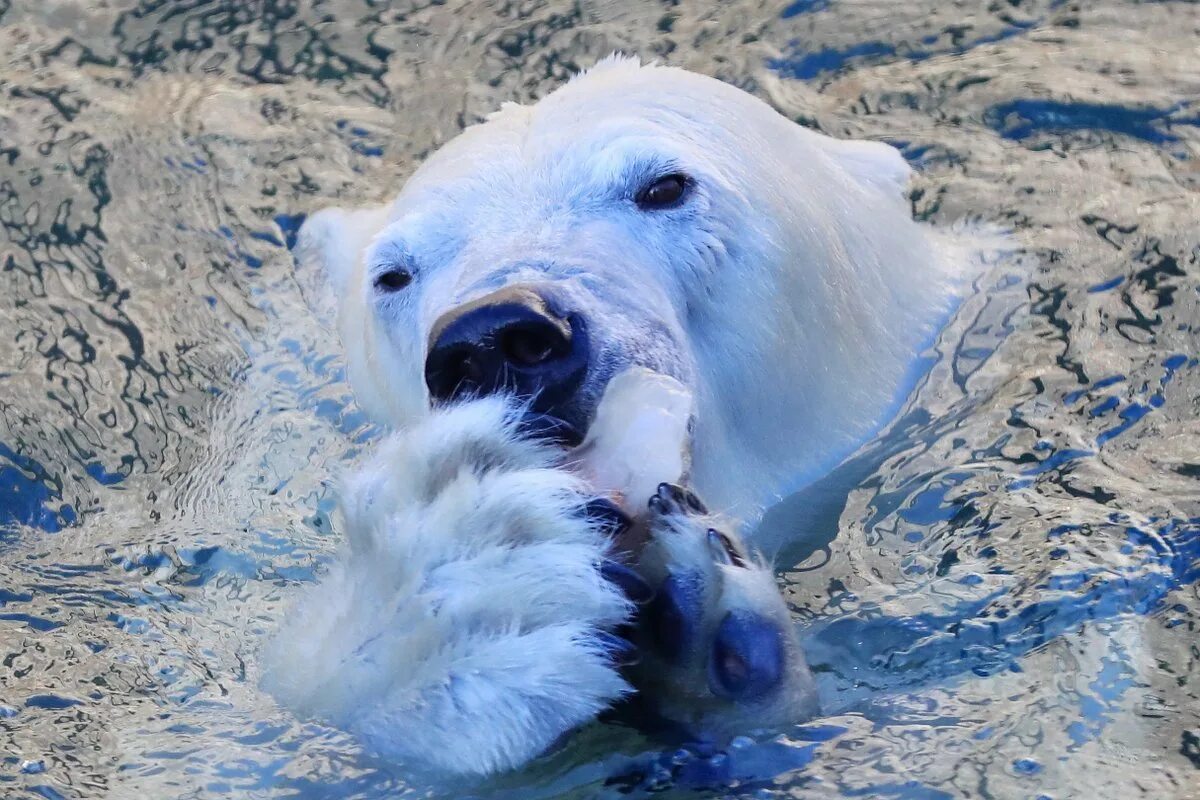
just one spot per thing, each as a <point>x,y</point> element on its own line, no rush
<point>1000,591</point>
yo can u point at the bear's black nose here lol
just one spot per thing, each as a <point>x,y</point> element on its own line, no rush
<point>508,341</point>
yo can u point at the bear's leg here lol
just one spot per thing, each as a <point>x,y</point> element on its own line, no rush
<point>719,649</point>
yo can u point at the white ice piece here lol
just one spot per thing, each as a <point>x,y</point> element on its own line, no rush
<point>639,437</point>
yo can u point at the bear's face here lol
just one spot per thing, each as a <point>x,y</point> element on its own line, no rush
<point>646,216</point>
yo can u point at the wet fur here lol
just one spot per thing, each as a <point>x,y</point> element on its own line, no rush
<point>789,295</point>
<point>458,628</point>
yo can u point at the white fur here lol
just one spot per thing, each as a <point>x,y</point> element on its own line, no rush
<point>795,288</point>
<point>457,628</point>
<point>788,295</point>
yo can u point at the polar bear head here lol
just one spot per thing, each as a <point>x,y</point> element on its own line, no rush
<point>647,216</point>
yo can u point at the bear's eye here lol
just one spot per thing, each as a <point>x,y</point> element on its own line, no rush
<point>393,280</point>
<point>664,192</point>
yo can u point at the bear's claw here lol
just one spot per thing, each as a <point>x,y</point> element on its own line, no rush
<point>608,516</point>
<point>723,549</point>
<point>621,651</point>
<point>628,581</point>
<point>671,498</point>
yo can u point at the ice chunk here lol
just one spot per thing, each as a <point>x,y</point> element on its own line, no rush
<point>639,437</point>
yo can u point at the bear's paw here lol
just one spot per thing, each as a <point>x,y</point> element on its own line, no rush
<point>719,650</point>
<point>468,623</point>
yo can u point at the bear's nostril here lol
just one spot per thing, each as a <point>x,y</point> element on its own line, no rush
<point>528,347</point>
<point>456,374</point>
<point>470,374</point>
<point>508,341</point>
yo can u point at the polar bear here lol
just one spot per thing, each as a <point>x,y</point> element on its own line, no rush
<point>639,217</point>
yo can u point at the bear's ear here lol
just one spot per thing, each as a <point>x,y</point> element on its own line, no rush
<point>330,252</point>
<point>874,165</point>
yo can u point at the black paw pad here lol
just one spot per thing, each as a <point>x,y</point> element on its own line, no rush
<point>747,658</point>
<point>674,615</point>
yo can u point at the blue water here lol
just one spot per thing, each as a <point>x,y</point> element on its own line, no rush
<point>997,593</point>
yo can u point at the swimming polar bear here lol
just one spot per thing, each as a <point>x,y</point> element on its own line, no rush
<point>638,218</point>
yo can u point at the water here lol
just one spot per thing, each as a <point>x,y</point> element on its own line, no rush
<point>1001,590</point>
